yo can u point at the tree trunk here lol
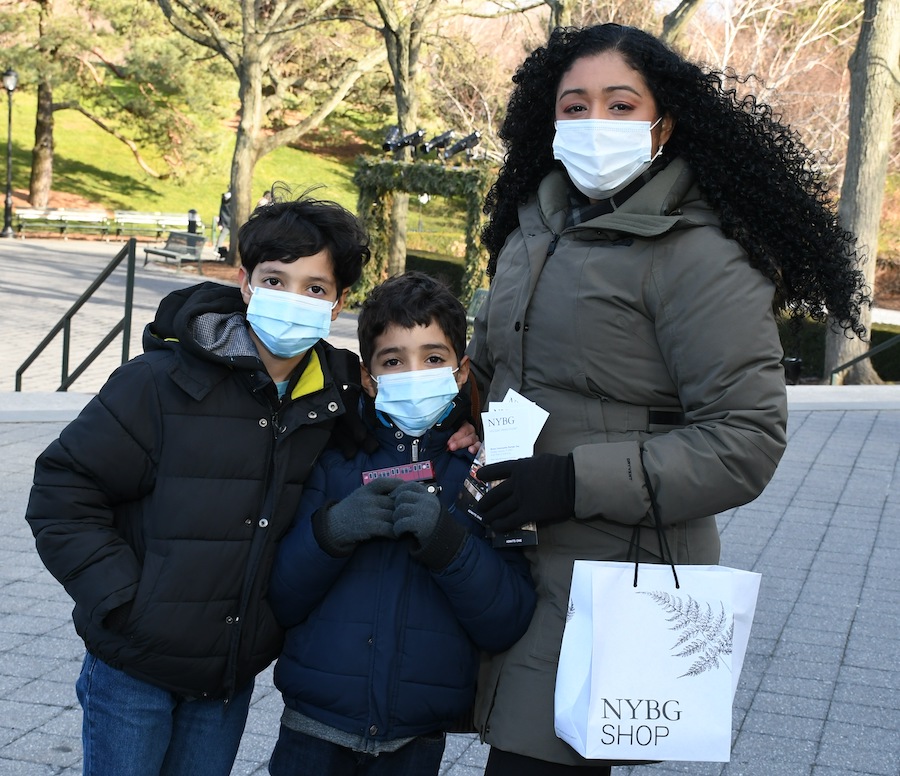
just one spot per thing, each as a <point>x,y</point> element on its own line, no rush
<point>678,19</point>
<point>42,154</point>
<point>399,221</point>
<point>873,95</point>
<point>246,145</point>
<point>399,57</point>
<point>560,15</point>
<point>403,39</point>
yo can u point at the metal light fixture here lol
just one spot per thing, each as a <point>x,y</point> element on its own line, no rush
<point>466,144</point>
<point>441,141</point>
<point>394,142</point>
<point>10,82</point>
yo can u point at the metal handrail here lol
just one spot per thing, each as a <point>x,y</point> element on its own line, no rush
<point>65,323</point>
<point>895,340</point>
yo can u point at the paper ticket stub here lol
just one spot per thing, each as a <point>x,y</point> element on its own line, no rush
<point>467,500</point>
<point>408,472</point>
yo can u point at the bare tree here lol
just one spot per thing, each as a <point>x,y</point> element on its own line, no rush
<point>262,40</point>
<point>874,95</point>
<point>796,51</point>
<point>404,26</point>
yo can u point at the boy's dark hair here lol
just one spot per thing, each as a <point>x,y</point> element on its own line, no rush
<point>288,230</point>
<point>408,300</point>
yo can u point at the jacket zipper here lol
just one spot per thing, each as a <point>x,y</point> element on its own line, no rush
<point>257,544</point>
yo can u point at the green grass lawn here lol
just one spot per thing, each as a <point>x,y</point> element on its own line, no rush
<point>92,164</point>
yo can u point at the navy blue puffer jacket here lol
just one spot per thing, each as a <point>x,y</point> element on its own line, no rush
<point>377,644</point>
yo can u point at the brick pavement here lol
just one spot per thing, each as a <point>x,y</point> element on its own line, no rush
<point>820,690</point>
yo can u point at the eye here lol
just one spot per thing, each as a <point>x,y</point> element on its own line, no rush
<point>574,109</point>
<point>435,360</point>
<point>271,282</point>
<point>316,290</point>
<point>391,363</point>
<point>620,107</point>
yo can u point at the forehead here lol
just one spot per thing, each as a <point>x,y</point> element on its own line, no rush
<point>601,71</point>
<point>318,267</point>
<point>417,338</point>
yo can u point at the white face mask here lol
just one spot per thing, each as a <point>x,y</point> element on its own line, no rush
<point>288,324</point>
<point>602,156</point>
<point>416,400</point>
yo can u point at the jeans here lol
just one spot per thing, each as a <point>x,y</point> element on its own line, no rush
<point>132,728</point>
<point>297,754</point>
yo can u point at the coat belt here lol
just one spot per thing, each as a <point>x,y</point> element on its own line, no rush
<point>620,417</point>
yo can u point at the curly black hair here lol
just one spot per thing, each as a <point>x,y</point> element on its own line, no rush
<point>765,185</point>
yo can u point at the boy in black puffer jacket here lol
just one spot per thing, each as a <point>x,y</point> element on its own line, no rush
<point>160,507</point>
<point>388,592</point>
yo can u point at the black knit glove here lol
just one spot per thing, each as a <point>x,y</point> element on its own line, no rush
<point>534,490</point>
<point>364,514</point>
<point>437,537</point>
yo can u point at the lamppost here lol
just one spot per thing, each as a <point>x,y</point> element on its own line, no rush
<point>10,81</point>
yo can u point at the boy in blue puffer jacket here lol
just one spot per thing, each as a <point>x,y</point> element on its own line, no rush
<point>388,593</point>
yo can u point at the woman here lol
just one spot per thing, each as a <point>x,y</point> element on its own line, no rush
<point>632,297</point>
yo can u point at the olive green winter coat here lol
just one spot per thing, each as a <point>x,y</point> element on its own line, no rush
<point>651,341</point>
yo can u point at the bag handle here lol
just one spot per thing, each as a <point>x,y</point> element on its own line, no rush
<point>664,552</point>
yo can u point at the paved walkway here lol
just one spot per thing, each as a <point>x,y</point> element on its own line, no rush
<point>820,690</point>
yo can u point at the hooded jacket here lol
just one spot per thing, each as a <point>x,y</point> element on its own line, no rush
<point>164,499</point>
<point>380,645</point>
<point>651,341</point>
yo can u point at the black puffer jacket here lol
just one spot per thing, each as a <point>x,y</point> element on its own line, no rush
<point>165,498</point>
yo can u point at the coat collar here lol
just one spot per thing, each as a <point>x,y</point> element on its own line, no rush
<point>667,201</point>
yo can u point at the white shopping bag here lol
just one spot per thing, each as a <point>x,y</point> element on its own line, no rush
<point>648,672</point>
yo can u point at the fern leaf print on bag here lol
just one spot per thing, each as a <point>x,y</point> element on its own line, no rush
<point>704,631</point>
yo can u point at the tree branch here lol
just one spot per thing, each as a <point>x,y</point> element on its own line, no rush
<point>109,130</point>
<point>499,14</point>
<point>290,134</point>
<point>214,39</point>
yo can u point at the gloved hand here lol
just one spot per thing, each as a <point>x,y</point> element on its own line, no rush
<point>437,537</point>
<point>540,489</point>
<point>364,514</point>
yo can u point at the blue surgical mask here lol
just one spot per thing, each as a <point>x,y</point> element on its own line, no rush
<point>416,400</point>
<point>288,324</point>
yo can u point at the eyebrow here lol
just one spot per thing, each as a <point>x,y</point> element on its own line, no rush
<point>398,349</point>
<point>580,90</point>
<point>311,279</point>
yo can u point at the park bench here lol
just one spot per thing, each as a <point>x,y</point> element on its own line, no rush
<point>180,246</point>
<point>138,222</point>
<point>60,219</point>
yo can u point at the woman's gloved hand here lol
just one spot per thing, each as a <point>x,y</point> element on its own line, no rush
<point>538,490</point>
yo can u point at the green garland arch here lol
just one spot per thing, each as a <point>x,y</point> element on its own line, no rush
<point>377,181</point>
